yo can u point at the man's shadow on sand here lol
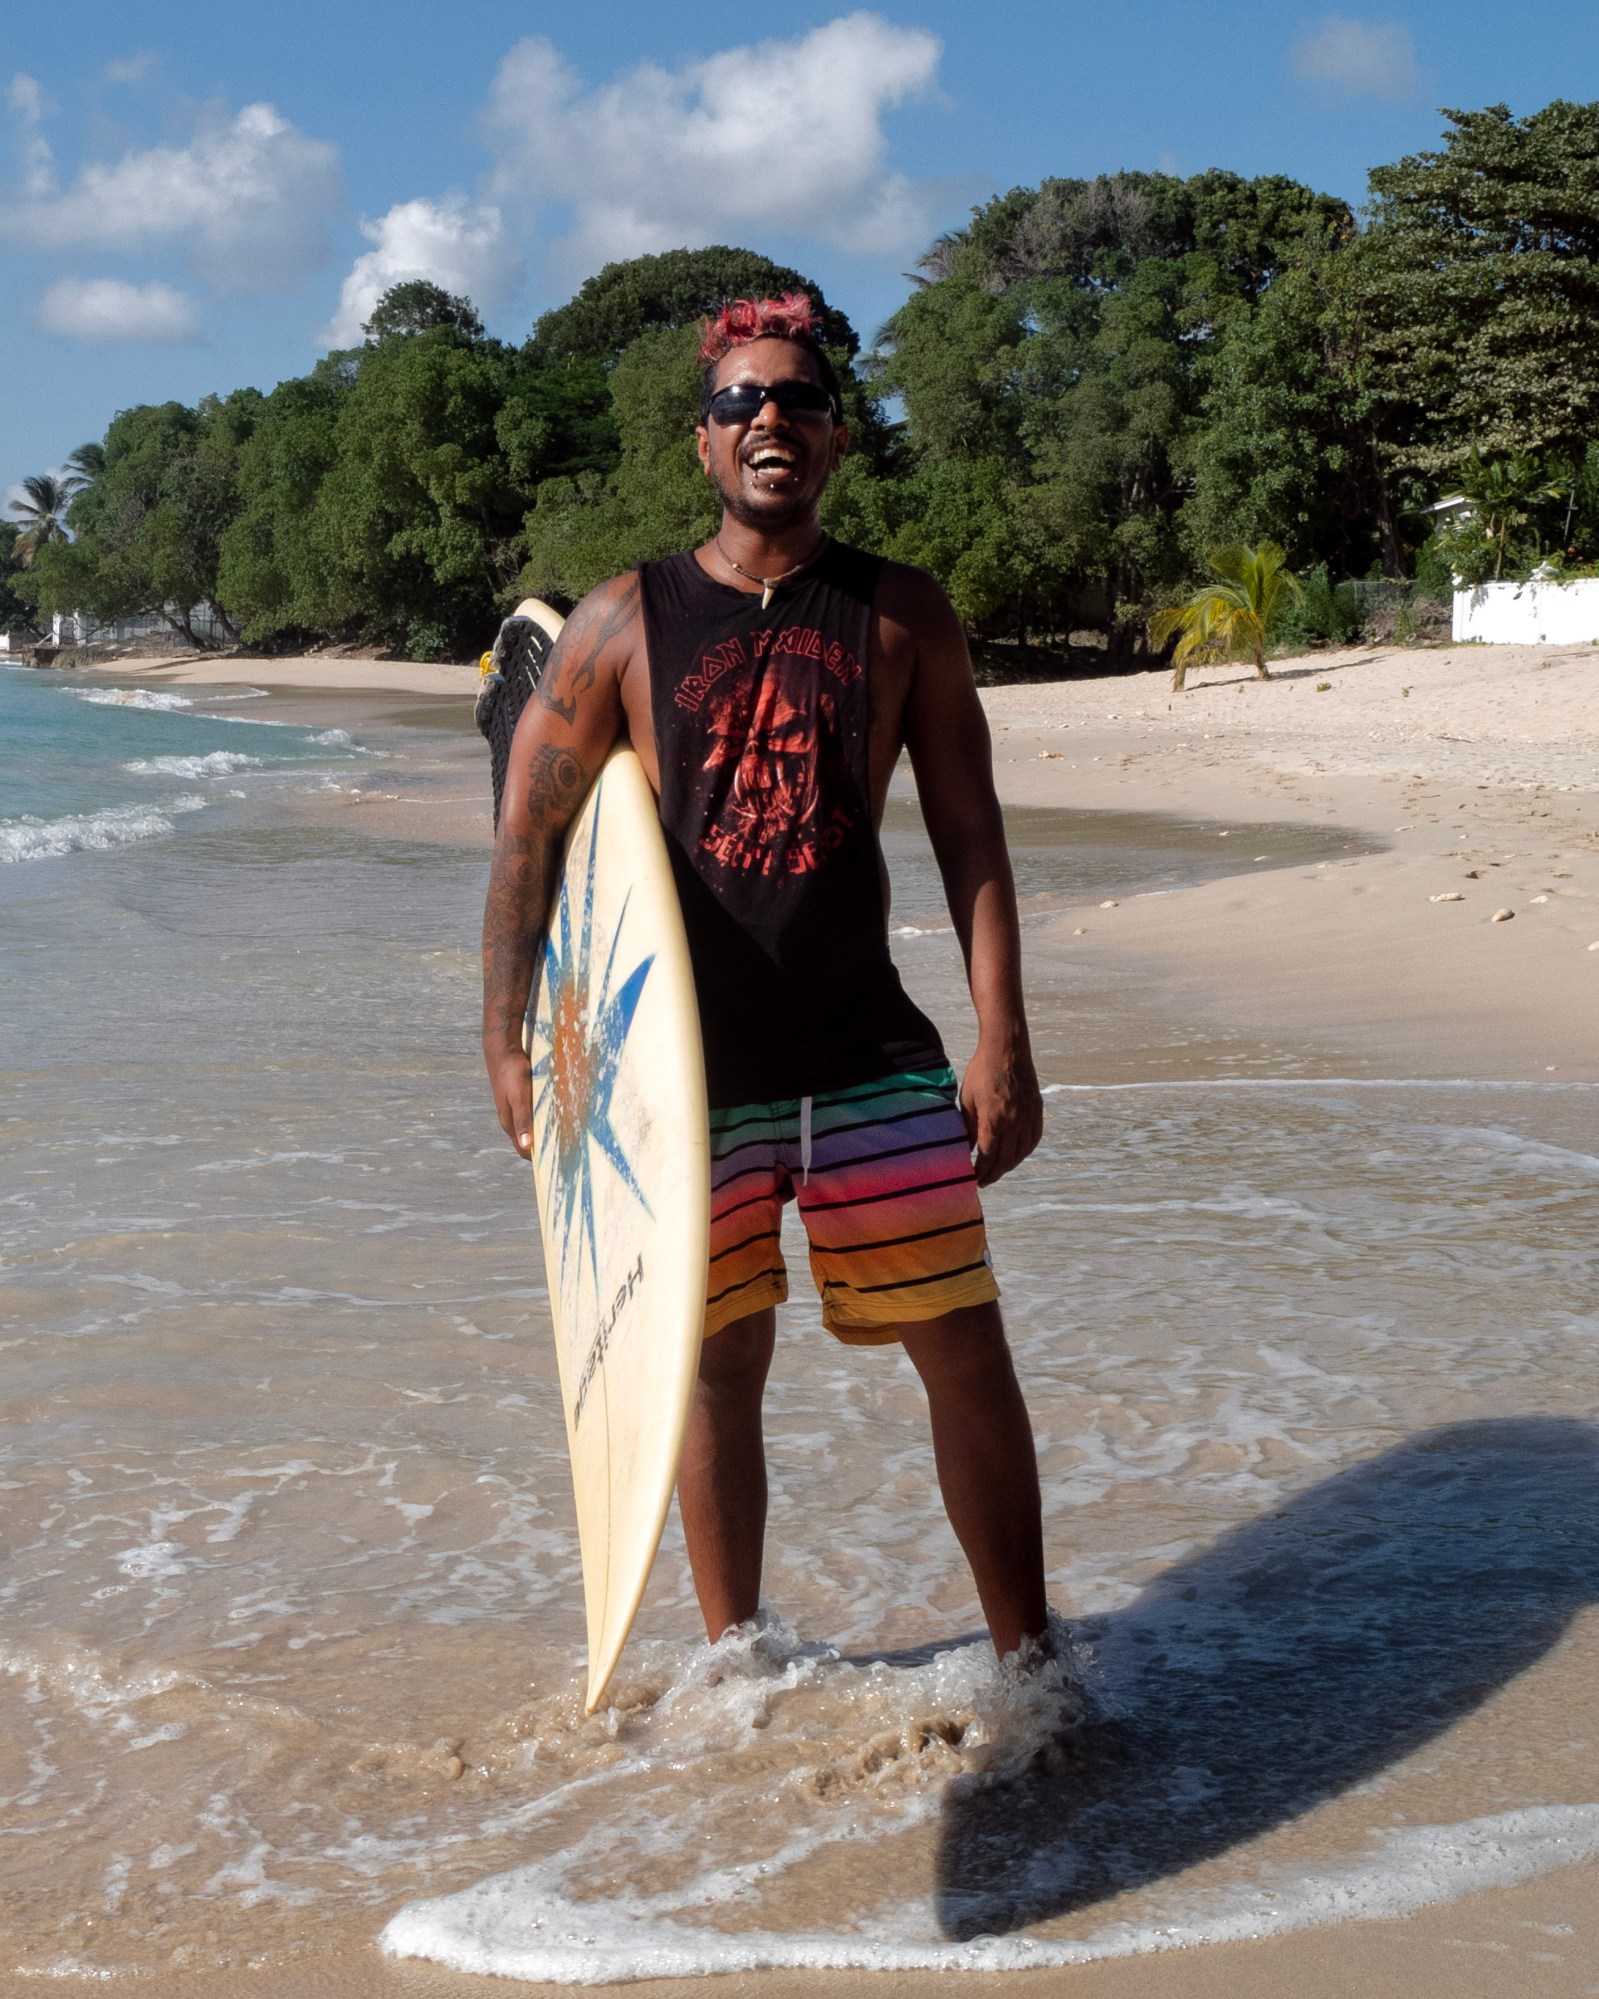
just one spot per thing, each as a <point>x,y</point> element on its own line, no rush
<point>1297,1657</point>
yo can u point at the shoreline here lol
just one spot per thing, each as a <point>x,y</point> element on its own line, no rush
<point>1555,1955</point>
<point>1475,768</point>
<point>1481,781</point>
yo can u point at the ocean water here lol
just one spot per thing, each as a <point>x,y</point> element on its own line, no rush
<point>96,766</point>
<point>290,1618</point>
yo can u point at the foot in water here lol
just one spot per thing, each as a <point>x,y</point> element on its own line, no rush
<point>1033,1714</point>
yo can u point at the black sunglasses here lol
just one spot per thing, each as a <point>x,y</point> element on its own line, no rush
<point>742,402</point>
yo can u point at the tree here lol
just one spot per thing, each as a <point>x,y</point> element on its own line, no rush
<point>148,529</point>
<point>675,289</point>
<point>278,570</point>
<point>1480,281</point>
<point>1289,445</point>
<point>85,465</point>
<point>42,515</point>
<point>1235,613</point>
<point>16,611</point>
<point>1067,338</point>
<point>401,519</point>
<point>418,306</point>
<point>588,527</point>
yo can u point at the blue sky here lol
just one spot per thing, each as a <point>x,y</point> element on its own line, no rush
<point>199,197</point>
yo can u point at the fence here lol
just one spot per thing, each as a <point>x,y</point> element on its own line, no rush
<point>77,628</point>
<point>1540,613</point>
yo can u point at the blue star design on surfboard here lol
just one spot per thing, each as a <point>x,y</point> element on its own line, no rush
<point>583,1031</point>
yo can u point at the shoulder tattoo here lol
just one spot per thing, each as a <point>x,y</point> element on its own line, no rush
<point>575,662</point>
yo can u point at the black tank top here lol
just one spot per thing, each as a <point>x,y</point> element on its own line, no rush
<point>761,721</point>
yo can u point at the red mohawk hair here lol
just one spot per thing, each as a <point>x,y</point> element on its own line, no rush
<point>741,320</point>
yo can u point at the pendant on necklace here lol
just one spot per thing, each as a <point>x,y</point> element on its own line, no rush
<point>766,596</point>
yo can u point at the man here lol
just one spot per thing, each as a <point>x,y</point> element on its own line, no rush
<point>768,681</point>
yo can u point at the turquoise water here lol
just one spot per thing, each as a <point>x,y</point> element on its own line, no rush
<point>88,767</point>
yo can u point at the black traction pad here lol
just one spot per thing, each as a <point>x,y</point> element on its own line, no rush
<point>521,652</point>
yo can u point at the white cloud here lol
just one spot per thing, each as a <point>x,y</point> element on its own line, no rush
<point>1366,58</point>
<point>778,137</point>
<point>107,312</point>
<point>457,244</point>
<point>128,69</point>
<point>29,107</point>
<point>247,200</point>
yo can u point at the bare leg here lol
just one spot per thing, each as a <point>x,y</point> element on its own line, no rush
<point>721,1482</point>
<point>987,1470</point>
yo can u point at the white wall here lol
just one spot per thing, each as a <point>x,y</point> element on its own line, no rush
<point>78,628</point>
<point>1529,613</point>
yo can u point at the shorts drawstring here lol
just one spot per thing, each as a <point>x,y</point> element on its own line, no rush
<point>805,1141</point>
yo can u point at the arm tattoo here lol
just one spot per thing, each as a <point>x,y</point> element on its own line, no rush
<point>522,886</point>
<point>576,658</point>
<point>556,786</point>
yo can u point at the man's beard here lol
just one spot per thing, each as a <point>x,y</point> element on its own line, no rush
<point>764,519</point>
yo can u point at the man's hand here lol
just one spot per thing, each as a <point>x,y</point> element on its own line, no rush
<point>1003,1109</point>
<point>512,1084</point>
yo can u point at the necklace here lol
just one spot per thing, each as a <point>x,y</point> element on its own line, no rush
<point>768,583</point>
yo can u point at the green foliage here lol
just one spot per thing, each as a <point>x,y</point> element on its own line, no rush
<point>588,527</point>
<point>41,515</point>
<point>148,527</point>
<point>417,513</point>
<point>1479,282</point>
<point>85,465</point>
<point>675,289</point>
<point>419,306</point>
<point>278,569</point>
<point>1093,383</point>
<point>956,520</point>
<point>1325,613</point>
<point>16,607</point>
<point>1284,447</point>
<point>1067,340</point>
<point>1236,613</point>
<point>1435,572</point>
<point>1507,496</point>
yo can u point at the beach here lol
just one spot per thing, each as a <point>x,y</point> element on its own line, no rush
<point>1476,767</point>
<point>1301,1285</point>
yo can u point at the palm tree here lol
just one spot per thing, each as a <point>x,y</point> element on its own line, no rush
<point>41,514</point>
<point>1233,614</point>
<point>84,466</point>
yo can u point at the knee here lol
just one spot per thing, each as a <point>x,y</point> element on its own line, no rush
<point>964,1349</point>
<point>736,1359</point>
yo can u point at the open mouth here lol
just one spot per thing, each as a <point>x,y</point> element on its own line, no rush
<point>771,461</point>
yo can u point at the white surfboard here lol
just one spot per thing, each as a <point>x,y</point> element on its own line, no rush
<point>621,1164</point>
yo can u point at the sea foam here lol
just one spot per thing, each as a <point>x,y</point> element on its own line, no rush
<point>522,1925</point>
<point>30,839</point>
<point>218,763</point>
<point>131,697</point>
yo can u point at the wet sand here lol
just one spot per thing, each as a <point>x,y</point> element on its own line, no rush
<point>1540,1939</point>
<point>1475,769</point>
<point>1483,782</point>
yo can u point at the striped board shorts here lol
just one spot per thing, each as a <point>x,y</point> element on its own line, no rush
<point>882,1174</point>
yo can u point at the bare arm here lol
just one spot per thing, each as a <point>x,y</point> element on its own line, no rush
<point>564,735</point>
<point>946,733</point>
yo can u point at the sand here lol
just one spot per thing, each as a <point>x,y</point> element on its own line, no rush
<point>1476,767</point>
<point>1477,771</point>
